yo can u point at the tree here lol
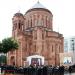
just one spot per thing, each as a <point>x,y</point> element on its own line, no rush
<point>9,44</point>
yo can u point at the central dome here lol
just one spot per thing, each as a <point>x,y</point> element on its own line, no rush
<point>39,16</point>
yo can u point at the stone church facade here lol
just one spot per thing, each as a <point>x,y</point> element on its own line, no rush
<point>35,35</point>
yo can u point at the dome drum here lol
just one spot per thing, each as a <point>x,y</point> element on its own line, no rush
<point>39,18</point>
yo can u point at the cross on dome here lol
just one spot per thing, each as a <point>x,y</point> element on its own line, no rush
<point>38,1</point>
<point>19,11</point>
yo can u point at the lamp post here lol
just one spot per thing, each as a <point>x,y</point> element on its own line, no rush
<point>73,48</point>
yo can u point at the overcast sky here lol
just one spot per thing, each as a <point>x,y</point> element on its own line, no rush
<point>63,15</point>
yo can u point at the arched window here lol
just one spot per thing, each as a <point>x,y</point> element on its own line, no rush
<point>19,25</point>
<point>35,35</point>
<point>12,57</point>
<point>12,60</point>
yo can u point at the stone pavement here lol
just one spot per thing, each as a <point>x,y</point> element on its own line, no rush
<point>69,74</point>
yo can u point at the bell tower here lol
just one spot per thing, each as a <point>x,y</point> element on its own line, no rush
<point>18,24</point>
<point>18,34</point>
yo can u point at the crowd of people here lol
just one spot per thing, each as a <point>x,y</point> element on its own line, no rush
<point>38,70</point>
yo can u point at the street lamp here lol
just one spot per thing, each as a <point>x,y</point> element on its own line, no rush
<point>73,49</point>
<point>73,46</point>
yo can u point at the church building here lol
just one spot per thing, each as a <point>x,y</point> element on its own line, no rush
<point>34,33</point>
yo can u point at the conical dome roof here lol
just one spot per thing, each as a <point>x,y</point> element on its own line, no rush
<point>38,5</point>
<point>18,14</point>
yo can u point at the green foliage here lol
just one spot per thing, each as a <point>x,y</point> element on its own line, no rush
<point>9,44</point>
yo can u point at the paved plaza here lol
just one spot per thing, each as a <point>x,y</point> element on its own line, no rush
<point>69,74</point>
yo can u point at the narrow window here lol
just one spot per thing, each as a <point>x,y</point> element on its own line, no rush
<point>19,25</point>
<point>31,22</point>
<point>46,21</point>
<point>35,35</point>
<point>59,49</point>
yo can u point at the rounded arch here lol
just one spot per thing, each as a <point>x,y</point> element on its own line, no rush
<point>12,60</point>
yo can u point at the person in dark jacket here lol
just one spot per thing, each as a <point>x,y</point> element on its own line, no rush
<point>70,69</point>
